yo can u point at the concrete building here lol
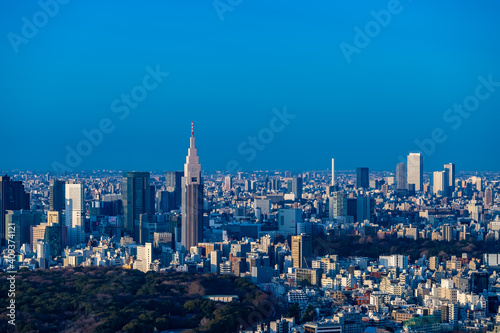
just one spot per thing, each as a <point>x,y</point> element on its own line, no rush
<point>302,250</point>
<point>415,164</point>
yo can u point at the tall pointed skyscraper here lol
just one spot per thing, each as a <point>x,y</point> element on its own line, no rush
<point>192,199</point>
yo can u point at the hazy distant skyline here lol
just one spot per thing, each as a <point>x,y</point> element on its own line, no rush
<point>229,75</point>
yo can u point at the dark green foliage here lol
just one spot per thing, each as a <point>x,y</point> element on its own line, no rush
<point>92,299</point>
<point>372,247</point>
<point>309,314</point>
<point>294,311</point>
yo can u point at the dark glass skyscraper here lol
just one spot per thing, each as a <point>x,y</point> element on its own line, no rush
<point>451,178</point>
<point>401,176</point>
<point>138,198</point>
<point>173,184</point>
<point>362,178</point>
<point>12,197</point>
<point>192,199</point>
<point>56,195</point>
<point>297,187</point>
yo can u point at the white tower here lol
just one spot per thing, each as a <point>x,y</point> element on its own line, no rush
<point>75,215</point>
<point>333,171</point>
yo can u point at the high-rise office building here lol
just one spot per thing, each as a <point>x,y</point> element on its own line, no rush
<point>288,220</point>
<point>138,198</point>
<point>273,184</point>
<point>415,169</point>
<point>192,199</point>
<point>478,182</point>
<point>37,232</point>
<point>55,236</point>
<point>433,263</point>
<point>440,183</point>
<point>43,254</point>
<point>264,205</point>
<point>364,208</point>
<point>248,185</point>
<point>447,233</point>
<point>12,197</point>
<point>302,251</point>
<point>173,184</point>
<point>42,250</point>
<point>333,172</point>
<point>21,221</point>
<point>479,282</point>
<point>164,200</point>
<point>451,178</point>
<point>53,217</point>
<point>362,178</point>
<point>56,195</point>
<point>144,257</point>
<point>338,205</point>
<point>295,187</point>
<point>75,213</point>
<point>215,261</point>
<point>401,176</point>
<point>488,197</point>
<point>228,181</point>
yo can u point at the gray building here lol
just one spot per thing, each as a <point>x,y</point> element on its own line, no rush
<point>338,205</point>
<point>287,221</point>
<point>295,187</point>
<point>138,198</point>
<point>173,185</point>
<point>451,178</point>
<point>401,176</point>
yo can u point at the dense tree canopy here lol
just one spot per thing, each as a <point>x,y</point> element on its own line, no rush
<point>92,299</point>
<point>372,247</point>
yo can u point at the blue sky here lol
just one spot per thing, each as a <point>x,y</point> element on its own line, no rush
<point>228,75</point>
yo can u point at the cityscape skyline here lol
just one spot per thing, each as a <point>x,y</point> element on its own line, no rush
<point>343,176</point>
<point>400,88</point>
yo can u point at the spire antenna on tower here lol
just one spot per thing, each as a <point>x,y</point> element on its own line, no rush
<point>192,128</point>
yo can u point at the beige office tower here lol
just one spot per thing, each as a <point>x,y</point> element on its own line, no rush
<point>415,170</point>
<point>440,183</point>
<point>301,251</point>
<point>53,217</point>
<point>433,263</point>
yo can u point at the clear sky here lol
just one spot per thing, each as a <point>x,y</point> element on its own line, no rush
<point>363,98</point>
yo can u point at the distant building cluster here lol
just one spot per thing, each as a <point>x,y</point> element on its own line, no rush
<point>270,227</point>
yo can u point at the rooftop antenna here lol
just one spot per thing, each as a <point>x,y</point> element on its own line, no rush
<point>192,128</point>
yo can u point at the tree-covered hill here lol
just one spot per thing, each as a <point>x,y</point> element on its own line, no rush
<point>372,247</point>
<point>85,299</point>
